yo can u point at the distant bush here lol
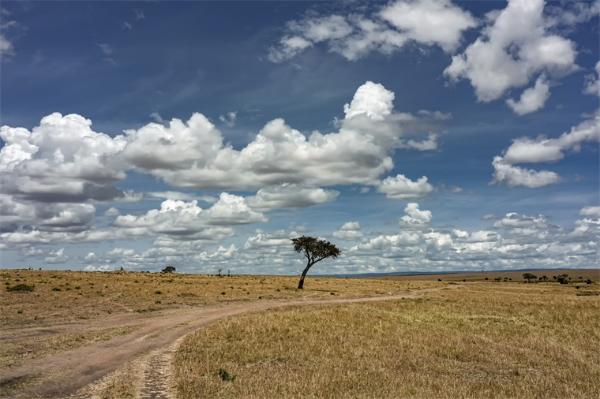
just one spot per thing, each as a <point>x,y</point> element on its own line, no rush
<point>225,376</point>
<point>168,269</point>
<point>56,289</point>
<point>20,288</point>
<point>588,281</point>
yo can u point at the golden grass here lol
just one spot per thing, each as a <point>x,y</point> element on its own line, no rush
<point>493,340</point>
<point>61,296</point>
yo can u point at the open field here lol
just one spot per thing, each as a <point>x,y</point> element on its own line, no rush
<point>481,340</point>
<point>61,296</point>
<point>79,313</point>
<point>122,329</point>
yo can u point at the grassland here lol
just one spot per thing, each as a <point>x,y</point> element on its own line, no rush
<point>473,339</point>
<point>61,296</point>
<point>489,339</point>
<point>66,310</point>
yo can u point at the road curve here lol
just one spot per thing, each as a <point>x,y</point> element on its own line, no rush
<point>63,374</point>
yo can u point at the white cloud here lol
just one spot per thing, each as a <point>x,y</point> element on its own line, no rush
<point>430,22</point>
<point>531,99</point>
<point>348,231</point>
<point>6,47</point>
<point>592,82</point>
<point>57,256</point>
<point>231,210</point>
<point>229,118</point>
<point>401,187</point>
<point>542,149</point>
<point>61,159</point>
<point>193,154</point>
<point>593,211</point>
<point>515,46</point>
<point>387,29</point>
<point>371,99</point>
<point>289,196</point>
<point>515,176</point>
<point>415,216</point>
<point>187,221</point>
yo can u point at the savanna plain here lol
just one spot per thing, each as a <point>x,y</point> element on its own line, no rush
<point>127,335</point>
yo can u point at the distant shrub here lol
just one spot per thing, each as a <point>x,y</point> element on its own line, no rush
<point>225,376</point>
<point>588,281</point>
<point>20,288</point>
<point>168,269</point>
<point>158,292</point>
<point>56,289</point>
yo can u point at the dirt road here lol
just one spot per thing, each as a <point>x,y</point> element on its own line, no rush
<point>156,337</point>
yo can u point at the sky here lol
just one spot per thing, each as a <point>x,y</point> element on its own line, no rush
<point>416,135</point>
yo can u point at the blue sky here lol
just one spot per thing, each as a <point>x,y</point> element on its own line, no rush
<point>450,135</point>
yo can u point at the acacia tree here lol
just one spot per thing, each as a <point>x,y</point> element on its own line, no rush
<point>529,277</point>
<point>314,250</point>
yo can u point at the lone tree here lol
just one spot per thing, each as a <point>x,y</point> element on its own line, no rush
<point>168,269</point>
<point>529,277</point>
<point>314,250</point>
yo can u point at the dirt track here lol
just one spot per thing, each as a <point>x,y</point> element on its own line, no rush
<point>64,374</point>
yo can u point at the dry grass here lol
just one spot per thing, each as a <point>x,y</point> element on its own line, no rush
<point>495,340</point>
<point>71,296</point>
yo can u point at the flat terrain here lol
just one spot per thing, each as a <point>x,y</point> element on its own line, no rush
<point>116,334</point>
<point>492,340</point>
<point>75,328</point>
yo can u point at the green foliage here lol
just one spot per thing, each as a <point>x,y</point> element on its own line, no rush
<point>21,288</point>
<point>168,269</point>
<point>225,376</point>
<point>529,277</point>
<point>314,249</point>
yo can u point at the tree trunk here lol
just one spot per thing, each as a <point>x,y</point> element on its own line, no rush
<point>301,282</point>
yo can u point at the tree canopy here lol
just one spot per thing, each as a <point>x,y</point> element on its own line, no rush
<point>315,250</point>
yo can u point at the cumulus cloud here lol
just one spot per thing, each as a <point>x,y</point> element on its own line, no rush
<point>187,221</point>
<point>429,22</point>
<point>387,29</point>
<point>401,187</point>
<point>193,153</point>
<point>542,149</point>
<point>289,196</point>
<point>348,231</point>
<point>593,211</point>
<point>62,159</point>
<point>16,214</point>
<point>56,257</point>
<point>415,216</point>
<point>531,99</point>
<point>515,45</point>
